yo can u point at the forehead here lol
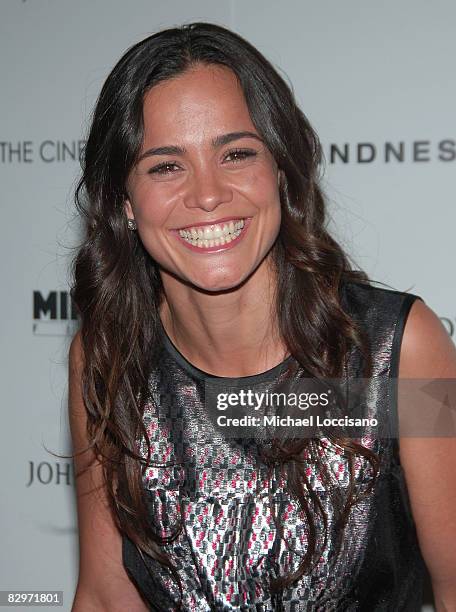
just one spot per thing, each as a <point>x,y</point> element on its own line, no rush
<point>203,100</point>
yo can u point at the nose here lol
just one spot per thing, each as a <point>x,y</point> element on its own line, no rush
<point>206,189</point>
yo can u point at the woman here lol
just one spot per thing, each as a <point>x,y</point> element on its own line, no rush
<point>206,261</point>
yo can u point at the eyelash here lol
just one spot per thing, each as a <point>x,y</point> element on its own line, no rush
<point>161,168</point>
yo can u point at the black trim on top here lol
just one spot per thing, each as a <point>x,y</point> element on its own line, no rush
<point>222,380</point>
<point>406,305</point>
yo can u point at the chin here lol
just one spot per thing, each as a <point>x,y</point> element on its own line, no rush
<point>213,283</point>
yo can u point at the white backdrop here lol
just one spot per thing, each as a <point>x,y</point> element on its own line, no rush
<point>370,76</point>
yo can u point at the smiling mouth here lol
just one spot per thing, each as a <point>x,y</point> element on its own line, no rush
<point>208,236</point>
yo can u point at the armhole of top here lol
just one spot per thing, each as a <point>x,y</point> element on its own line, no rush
<point>406,306</point>
<point>404,311</point>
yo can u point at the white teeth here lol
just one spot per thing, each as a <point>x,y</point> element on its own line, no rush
<point>212,235</point>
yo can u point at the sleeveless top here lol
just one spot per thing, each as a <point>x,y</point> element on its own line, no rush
<point>229,547</point>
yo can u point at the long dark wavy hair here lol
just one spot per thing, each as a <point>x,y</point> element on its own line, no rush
<point>117,288</point>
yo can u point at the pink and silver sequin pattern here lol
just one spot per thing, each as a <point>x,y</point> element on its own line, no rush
<point>229,546</point>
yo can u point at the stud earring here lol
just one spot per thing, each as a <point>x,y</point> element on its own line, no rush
<point>132,224</point>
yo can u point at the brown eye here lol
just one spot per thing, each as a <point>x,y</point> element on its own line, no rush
<point>164,168</point>
<point>238,155</point>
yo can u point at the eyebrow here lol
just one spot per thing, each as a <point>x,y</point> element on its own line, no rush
<point>218,141</point>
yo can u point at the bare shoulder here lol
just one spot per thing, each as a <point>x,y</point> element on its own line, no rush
<point>429,463</point>
<point>103,583</point>
<point>427,350</point>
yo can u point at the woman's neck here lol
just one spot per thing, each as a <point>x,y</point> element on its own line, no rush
<point>231,333</point>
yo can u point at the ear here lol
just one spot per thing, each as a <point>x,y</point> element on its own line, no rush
<point>128,209</point>
<point>280,177</point>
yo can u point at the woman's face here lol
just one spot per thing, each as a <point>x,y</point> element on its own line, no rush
<point>205,192</point>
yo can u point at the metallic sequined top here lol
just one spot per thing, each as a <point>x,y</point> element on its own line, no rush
<point>229,547</point>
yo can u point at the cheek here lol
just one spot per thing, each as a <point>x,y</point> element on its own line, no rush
<point>151,217</point>
<point>151,208</point>
<point>263,185</point>
<point>272,208</point>
<point>265,194</point>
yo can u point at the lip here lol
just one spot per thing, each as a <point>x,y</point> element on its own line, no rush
<point>220,247</point>
<point>214,222</point>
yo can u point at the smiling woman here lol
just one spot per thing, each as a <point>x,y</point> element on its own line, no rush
<point>206,263</point>
<point>215,180</point>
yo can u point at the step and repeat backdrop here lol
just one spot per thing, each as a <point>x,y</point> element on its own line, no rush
<point>375,79</point>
